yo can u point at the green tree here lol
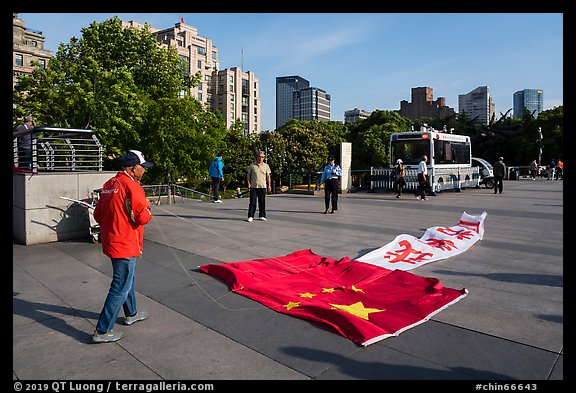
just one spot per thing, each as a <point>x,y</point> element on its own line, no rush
<point>239,152</point>
<point>371,143</point>
<point>551,122</point>
<point>307,143</point>
<point>182,139</point>
<point>121,82</point>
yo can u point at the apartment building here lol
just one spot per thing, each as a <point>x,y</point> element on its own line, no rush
<point>27,47</point>
<point>235,94</point>
<point>477,104</point>
<point>354,115</point>
<point>197,52</point>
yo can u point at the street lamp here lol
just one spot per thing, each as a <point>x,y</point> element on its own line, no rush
<point>540,146</point>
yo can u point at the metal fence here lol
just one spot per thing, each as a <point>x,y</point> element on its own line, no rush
<point>59,149</point>
<point>172,193</point>
<point>441,179</point>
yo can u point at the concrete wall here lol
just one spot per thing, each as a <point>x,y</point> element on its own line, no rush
<point>39,215</point>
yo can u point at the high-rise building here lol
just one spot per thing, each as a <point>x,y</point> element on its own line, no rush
<point>199,53</point>
<point>236,95</point>
<point>477,104</point>
<point>423,105</point>
<point>311,103</point>
<point>27,47</point>
<point>233,92</point>
<point>354,115</point>
<point>531,100</point>
<point>285,88</point>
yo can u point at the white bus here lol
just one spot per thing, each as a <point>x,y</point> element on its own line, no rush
<point>449,159</point>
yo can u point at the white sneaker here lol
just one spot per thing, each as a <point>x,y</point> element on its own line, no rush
<point>250,219</point>
<point>218,201</point>
<point>262,218</point>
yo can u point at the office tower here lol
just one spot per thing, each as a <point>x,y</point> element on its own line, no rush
<point>423,105</point>
<point>236,95</point>
<point>311,103</point>
<point>285,88</point>
<point>531,100</point>
<point>27,46</point>
<point>477,104</point>
<point>354,115</point>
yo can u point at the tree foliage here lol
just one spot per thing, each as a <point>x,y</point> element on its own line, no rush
<point>121,83</point>
<point>371,138</point>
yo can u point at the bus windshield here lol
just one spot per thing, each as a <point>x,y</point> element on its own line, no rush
<point>410,151</point>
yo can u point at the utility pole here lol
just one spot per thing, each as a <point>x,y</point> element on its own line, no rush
<point>540,146</point>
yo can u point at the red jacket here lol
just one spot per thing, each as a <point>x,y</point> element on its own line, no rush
<point>122,211</point>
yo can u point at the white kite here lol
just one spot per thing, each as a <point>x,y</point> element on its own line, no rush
<point>407,252</point>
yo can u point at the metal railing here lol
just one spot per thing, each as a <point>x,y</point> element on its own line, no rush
<point>169,192</point>
<point>439,179</point>
<point>59,149</point>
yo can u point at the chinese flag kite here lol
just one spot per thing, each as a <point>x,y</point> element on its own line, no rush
<point>361,301</point>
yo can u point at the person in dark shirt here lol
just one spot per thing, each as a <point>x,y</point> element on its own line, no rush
<point>499,173</point>
<point>25,144</point>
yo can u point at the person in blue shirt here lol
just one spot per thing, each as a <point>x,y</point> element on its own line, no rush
<point>330,177</point>
<point>216,172</point>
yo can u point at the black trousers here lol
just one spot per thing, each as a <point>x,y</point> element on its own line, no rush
<point>422,185</point>
<point>257,195</point>
<point>331,193</point>
<point>498,184</point>
<point>399,185</point>
<point>24,157</point>
<point>215,187</point>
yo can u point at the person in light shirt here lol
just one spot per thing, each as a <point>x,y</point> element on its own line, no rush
<point>330,178</point>
<point>259,181</point>
<point>422,179</point>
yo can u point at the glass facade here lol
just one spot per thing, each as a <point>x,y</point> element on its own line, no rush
<point>285,88</point>
<point>528,99</point>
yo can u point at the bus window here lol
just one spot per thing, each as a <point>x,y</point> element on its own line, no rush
<point>410,151</point>
<point>461,152</point>
<point>447,152</point>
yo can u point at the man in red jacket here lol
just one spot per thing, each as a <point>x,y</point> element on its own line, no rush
<point>122,211</point>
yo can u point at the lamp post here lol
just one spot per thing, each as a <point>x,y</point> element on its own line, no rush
<point>540,146</point>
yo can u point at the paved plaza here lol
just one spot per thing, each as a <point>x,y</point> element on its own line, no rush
<point>508,327</point>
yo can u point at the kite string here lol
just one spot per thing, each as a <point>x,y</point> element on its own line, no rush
<point>288,266</point>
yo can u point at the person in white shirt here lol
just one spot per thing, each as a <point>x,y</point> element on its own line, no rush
<point>422,179</point>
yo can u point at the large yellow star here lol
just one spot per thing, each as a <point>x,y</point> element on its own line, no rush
<point>291,305</point>
<point>357,309</point>
<point>307,294</point>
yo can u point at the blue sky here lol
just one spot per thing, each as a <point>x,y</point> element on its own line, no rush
<point>368,61</point>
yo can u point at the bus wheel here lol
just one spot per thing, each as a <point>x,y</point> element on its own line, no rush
<point>489,183</point>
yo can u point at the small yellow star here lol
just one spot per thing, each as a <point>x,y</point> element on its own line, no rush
<point>357,309</point>
<point>307,294</point>
<point>291,305</point>
<point>357,289</point>
<point>328,290</point>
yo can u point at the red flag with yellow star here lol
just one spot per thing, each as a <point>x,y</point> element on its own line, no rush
<point>363,302</point>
